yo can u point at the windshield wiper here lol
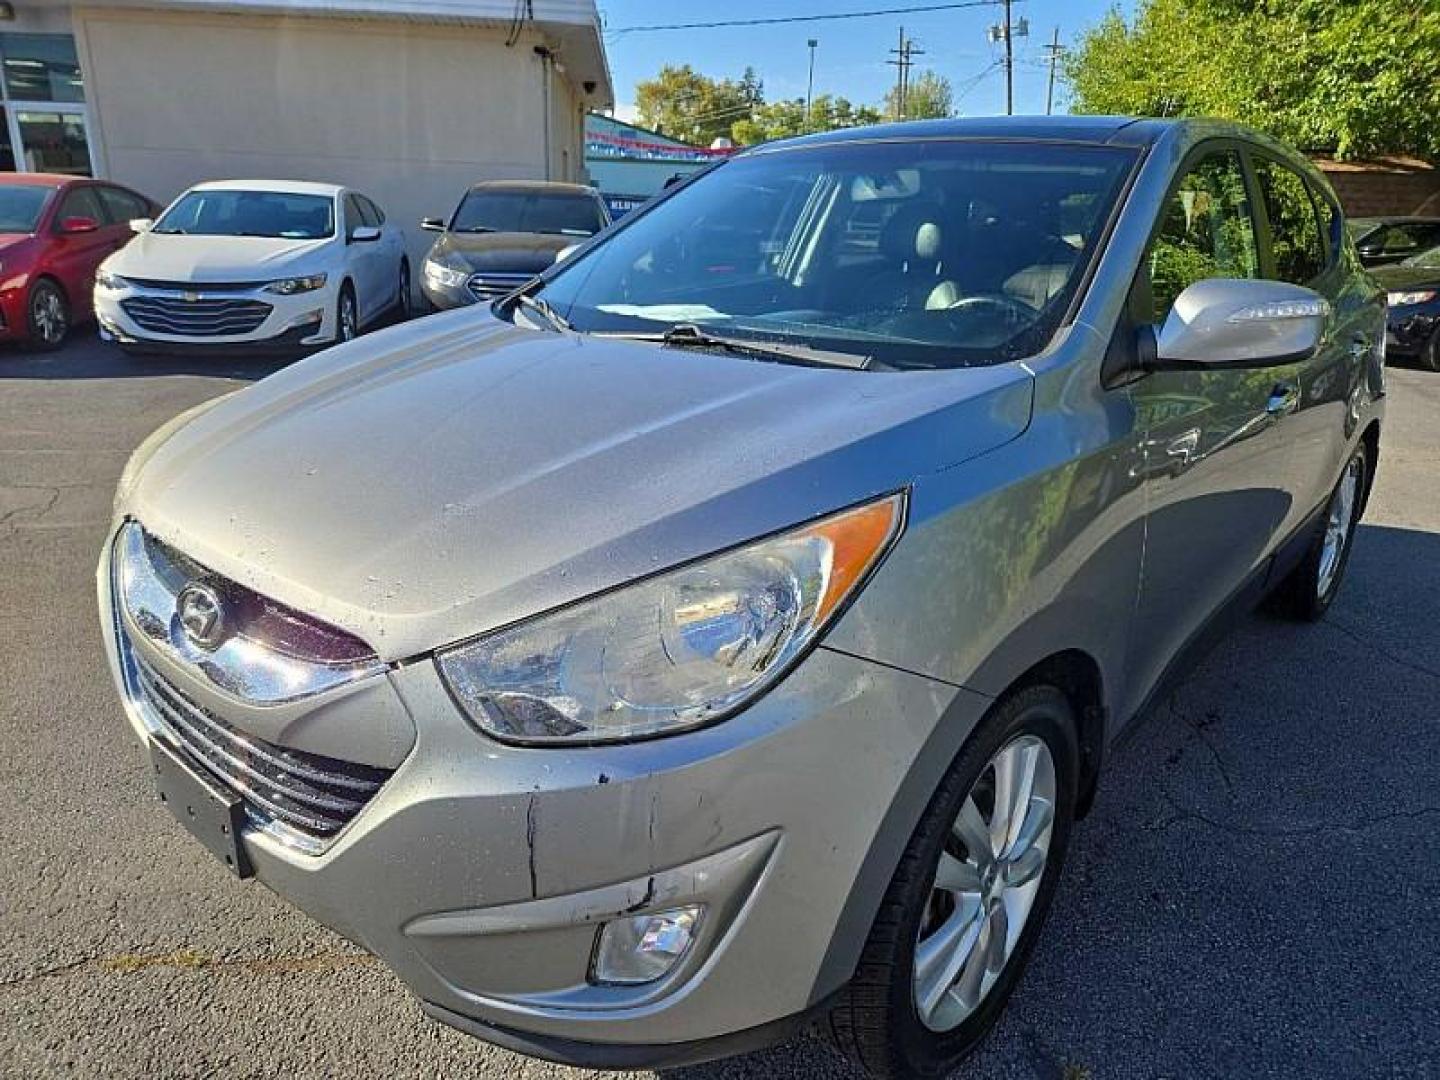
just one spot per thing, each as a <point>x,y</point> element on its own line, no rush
<point>690,336</point>
<point>542,308</point>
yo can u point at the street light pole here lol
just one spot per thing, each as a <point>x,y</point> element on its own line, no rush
<point>810,84</point>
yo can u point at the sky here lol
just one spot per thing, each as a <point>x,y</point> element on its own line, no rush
<point>850,59</point>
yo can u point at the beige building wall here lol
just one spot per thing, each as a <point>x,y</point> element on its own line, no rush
<point>408,113</point>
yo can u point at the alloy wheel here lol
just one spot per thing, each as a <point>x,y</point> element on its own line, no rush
<point>47,316</point>
<point>1338,521</point>
<point>986,881</point>
<point>349,320</point>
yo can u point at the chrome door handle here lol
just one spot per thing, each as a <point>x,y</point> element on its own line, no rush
<point>1283,400</point>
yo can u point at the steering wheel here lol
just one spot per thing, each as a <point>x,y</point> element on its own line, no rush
<point>1011,307</point>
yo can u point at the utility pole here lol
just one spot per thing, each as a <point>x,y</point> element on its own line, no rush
<point>1055,52</point>
<point>905,58</point>
<point>810,84</point>
<point>1005,32</point>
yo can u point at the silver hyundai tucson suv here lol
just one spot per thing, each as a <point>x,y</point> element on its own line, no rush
<point>725,632</point>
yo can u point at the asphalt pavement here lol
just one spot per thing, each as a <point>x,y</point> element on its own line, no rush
<point>1255,893</point>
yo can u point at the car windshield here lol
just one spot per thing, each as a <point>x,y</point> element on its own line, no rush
<point>1426,260</point>
<point>250,213</point>
<point>528,212</point>
<point>923,254</point>
<point>21,206</point>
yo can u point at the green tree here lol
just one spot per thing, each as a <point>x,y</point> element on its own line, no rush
<point>782,119</point>
<point>1349,77</point>
<point>927,97</point>
<point>686,105</point>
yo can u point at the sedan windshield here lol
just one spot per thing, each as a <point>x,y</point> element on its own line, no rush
<point>21,206</point>
<point>936,253</point>
<point>250,213</point>
<point>527,212</point>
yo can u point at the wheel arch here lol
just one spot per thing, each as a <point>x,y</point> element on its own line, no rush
<point>1073,672</point>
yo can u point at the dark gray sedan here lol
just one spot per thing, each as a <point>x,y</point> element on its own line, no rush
<point>727,630</point>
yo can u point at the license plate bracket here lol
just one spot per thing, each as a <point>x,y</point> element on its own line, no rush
<point>209,813</point>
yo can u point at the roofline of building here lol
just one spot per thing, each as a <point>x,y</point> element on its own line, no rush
<point>571,27</point>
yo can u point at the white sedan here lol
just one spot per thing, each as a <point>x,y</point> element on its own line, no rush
<point>254,265</point>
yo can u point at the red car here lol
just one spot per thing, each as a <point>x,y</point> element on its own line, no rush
<point>54,232</point>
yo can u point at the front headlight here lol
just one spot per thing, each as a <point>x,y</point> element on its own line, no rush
<point>293,285</point>
<point>674,652</point>
<point>104,279</point>
<point>1419,296</point>
<point>447,276</point>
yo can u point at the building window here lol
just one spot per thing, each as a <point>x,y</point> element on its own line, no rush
<point>41,67</point>
<point>42,105</point>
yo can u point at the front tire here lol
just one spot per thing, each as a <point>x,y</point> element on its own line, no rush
<point>1313,585</point>
<point>405,300</point>
<point>1430,355</point>
<point>47,316</point>
<point>969,897</point>
<point>347,315</point>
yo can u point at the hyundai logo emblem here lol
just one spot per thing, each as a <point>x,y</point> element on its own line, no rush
<point>201,615</point>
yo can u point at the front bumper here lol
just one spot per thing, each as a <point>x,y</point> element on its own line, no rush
<point>1409,329</point>
<point>481,872</point>
<point>303,321</point>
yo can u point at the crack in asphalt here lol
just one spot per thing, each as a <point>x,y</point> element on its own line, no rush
<point>191,960</point>
<point>1183,813</point>
<point>1356,635</point>
<point>1199,734</point>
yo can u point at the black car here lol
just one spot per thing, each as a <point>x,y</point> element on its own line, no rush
<point>502,234</point>
<point>1384,240</point>
<point>1413,292</point>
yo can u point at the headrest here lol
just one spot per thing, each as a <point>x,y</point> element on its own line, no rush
<point>913,232</point>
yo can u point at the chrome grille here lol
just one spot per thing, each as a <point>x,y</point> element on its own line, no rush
<point>494,286</point>
<point>310,793</point>
<point>195,318</point>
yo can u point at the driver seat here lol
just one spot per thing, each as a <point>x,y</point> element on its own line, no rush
<point>913,242</point>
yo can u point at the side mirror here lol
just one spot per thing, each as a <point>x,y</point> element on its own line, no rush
<point>432,224</point>
<point>71,225</point>
<point>1237,323</point>
<point>364,234</point>
<point>141,224</point>
<point>565,252</point>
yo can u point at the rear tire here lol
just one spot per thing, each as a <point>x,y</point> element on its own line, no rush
<point>888,1021</point>
<point>1312,586</point>
<point>47,316</point>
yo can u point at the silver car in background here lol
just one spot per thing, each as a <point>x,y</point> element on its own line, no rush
<point>726,631</point>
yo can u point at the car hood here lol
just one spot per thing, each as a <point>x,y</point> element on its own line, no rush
<point>200,259</point>
<point>9,240</point>
<point>1395,277</point>
<point>443,478</point>
<point>504,252</point>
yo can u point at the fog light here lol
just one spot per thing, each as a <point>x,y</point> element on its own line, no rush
<point>310,318</point>
<point>646,947</point>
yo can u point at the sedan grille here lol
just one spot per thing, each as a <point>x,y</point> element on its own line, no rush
<point>494,286</point>
<point>315,795</point>
<point>196,318</point>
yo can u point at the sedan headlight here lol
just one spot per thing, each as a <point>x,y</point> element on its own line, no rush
<point>104,279</point>
<point>676,651</point>
<point>293,285</point>
<point>1419,296</point>
<point>446,276</point>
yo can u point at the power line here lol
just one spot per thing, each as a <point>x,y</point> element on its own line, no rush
<point>919,8</point>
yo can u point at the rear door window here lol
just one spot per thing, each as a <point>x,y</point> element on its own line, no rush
<point>121,206</point>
